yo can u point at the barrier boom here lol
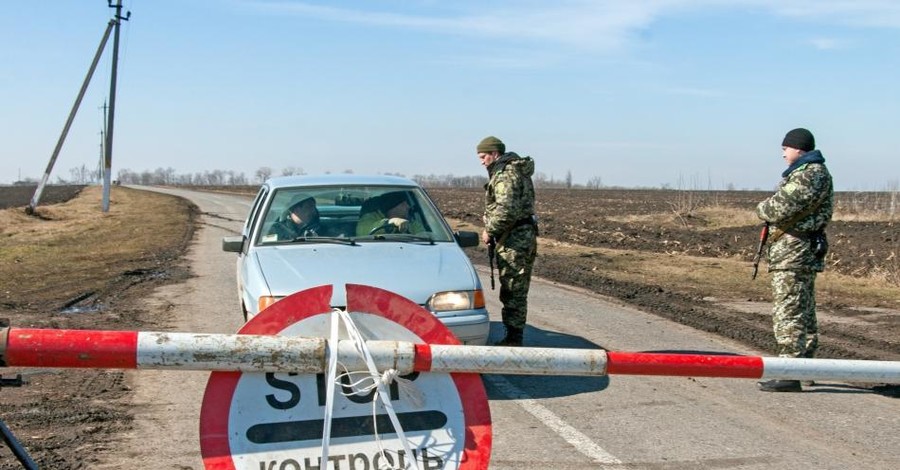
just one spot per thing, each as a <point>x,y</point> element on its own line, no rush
<point>26,347</point>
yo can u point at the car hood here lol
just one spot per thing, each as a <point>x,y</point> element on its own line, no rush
<point>412,270</point>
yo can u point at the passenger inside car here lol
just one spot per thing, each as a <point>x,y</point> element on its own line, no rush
<point>387,213</point>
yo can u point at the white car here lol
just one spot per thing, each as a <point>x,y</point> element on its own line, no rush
<point>354,240</point>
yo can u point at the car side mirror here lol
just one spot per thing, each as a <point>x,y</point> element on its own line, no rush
<point>466,239</point>
<point>233,244</point>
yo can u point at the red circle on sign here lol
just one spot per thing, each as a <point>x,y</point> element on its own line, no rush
<point>217,399</point>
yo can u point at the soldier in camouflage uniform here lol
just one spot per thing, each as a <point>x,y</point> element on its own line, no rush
<point>798,214</point>
<point>509,220</point>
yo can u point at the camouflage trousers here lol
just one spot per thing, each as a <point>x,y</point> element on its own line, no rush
<point>515,259</point>
<point>794,313</point>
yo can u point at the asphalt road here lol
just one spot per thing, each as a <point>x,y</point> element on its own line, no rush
<point>550,422</point>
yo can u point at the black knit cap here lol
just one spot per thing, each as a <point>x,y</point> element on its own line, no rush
<point>800,139</point>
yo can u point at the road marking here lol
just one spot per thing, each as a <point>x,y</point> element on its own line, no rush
<point>571,435</point>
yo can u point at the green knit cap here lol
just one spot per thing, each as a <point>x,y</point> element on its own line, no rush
<point>491,144</point>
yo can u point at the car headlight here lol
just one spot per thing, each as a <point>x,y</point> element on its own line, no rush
<point>456,300</point>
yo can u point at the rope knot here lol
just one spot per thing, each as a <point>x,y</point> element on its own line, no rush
<point>416,397</point>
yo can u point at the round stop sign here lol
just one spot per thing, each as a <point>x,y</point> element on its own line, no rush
<point>266,421</point>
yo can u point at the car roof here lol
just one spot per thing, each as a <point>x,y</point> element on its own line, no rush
<point>338,179</point>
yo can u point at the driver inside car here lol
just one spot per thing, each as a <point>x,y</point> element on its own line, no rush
<point>389,213</point>
<point>301,219</point>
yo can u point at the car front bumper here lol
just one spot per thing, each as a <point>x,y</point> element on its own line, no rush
<point>470,327</point>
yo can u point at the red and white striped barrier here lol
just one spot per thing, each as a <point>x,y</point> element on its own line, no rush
<point>24,347</point>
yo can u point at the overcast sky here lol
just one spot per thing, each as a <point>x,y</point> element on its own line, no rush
<point>645,93</point>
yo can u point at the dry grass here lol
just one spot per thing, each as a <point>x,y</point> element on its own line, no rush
<point>718,217</point>
<point>722,278</point>
<point>706,218</point>
<point>72,248</point>
<point>868,206</point>
<point>849,207</point>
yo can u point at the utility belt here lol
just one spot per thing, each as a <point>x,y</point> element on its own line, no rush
<point>818,241</point>
<point>530,220</point>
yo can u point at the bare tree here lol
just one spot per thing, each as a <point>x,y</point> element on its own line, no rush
<point>292,170</point>
<point>164,176</point>
<point>126,176</point>
<point>263,173</point>
<point>82,175</point>
<point>236,179</point>
<point>686,200</point>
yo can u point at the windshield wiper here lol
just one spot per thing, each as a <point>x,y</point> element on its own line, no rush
<point>339,240</point>
<point>401,237</point>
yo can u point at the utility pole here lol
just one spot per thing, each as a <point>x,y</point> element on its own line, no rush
<point>62,138</point>
<point>100,164</point>
<point>107,167</point>
<point>100,161</point>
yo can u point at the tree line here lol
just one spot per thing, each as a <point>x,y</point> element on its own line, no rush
<point>83,175</point>
<point>169,177</point>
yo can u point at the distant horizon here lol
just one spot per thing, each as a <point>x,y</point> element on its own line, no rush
<point>887,186</point>
<point>548,184</point>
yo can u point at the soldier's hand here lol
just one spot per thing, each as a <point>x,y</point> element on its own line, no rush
<point>402,225</point>
<point>485,238</point>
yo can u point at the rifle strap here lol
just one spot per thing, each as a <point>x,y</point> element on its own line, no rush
<point>779,232</point>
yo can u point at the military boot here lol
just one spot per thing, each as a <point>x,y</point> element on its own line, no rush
<point>514,337</point>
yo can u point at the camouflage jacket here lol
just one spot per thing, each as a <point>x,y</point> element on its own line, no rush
<point>801,207</point>
<point>509,194</point>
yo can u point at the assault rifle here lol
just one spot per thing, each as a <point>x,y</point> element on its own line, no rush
<point>763,237</point>
<point>492,252</point>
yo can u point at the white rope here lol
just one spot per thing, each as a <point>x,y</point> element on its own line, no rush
<point>416,397</point>
<point>406,386</point>
<point>330,374</point>
<point>379,383</point>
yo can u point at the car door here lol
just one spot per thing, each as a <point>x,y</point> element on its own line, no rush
<point>248,235</point>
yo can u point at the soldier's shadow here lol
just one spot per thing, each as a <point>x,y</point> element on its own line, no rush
<point>517,387</point>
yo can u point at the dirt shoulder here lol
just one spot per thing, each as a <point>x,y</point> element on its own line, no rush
<point>72,266</point>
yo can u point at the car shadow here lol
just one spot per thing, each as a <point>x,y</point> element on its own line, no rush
<point>690,351</point>
<point>518,387</point>
<point>885,390</point>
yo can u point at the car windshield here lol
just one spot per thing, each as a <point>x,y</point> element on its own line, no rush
<point>308,214</point>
